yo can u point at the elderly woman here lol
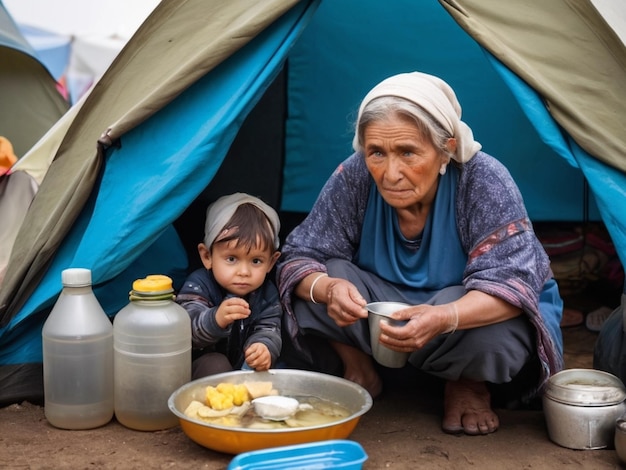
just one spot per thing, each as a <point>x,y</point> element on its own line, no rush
<point>420,215</point>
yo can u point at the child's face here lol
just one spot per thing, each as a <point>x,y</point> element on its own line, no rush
<point>236,269</point>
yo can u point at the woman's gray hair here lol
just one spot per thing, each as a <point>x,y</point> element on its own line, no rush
<point>386,107</point>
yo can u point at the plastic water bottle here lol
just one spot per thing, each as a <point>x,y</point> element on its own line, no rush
<point>77,357</point>
<point>152,355</point>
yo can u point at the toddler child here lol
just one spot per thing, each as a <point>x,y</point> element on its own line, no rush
<point>233,304</point>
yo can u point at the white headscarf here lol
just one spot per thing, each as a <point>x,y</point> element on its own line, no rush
<point>436,97</point>
<point>221,211</point>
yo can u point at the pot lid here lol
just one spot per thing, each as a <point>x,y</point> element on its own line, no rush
<point>586,387</point>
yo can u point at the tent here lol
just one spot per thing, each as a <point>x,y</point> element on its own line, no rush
<point>215,97</point>
<point>177,120</point>
<point>78,39</point>
<point>31,103</point>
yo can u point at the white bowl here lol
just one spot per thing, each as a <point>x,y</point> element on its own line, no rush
<point>275,407</point>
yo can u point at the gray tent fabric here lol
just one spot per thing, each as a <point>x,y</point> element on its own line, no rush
<point>17,190</point>
<point>521,35</point>
<point>212,32</point>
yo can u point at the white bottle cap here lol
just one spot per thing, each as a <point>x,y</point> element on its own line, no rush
<point>76,277</point>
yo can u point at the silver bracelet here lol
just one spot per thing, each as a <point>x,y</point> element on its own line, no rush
<point>313,286</point>
<point>455,323</point>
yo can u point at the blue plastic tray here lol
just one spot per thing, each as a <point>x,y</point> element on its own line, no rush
<point>337,453</point>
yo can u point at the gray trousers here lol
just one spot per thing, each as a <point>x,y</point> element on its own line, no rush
<point>494,353</point>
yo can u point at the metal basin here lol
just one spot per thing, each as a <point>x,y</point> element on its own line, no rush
<point>234,440</point>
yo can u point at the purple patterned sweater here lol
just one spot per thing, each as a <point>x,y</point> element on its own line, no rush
<point>505,258</point>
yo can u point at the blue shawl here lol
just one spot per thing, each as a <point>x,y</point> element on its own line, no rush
<point>440,259</point>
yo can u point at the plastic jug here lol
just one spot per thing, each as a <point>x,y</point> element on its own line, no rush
<point>152,355</point>
<point>77,357</point>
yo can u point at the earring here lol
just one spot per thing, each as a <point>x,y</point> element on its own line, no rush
<point>442,170</point>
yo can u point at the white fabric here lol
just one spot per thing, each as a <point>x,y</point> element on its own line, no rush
<point>436,97</point>
<point>222,210</point>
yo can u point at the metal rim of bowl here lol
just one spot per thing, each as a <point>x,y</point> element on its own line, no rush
<point>368,401</point>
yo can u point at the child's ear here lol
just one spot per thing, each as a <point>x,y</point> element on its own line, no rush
<point>273,260</point>
<point>205,255</point>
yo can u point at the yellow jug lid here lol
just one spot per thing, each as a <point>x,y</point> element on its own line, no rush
<point>153,283</point>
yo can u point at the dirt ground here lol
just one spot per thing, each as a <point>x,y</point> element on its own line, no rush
<point>401,431</point>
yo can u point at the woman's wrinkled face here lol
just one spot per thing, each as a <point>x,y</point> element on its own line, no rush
<point>404,164</point>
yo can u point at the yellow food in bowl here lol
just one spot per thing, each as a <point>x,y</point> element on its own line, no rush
<point>226,395</point>
<point>228,399</point>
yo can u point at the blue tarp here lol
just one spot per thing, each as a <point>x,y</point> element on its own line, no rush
<point>365,43</point>
<point>125,231</point>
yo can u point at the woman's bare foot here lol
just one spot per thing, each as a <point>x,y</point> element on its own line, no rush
<point>467,408</point>
<point>359,368</point>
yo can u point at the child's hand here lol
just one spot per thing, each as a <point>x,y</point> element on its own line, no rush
<point>231,309</point>
<point>258,357</point>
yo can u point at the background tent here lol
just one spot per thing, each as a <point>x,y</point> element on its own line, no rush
<point>78,39</point>
<point>31,104</point>
<point>166,129</point>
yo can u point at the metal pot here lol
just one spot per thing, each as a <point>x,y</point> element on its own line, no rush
<point>581,407</point>
<point>620,438</point>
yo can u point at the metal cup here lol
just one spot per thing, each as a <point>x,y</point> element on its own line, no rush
<point>380,312</point>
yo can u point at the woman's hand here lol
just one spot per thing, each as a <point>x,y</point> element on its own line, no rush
<point>344,303</point>
<point>424,322</point>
